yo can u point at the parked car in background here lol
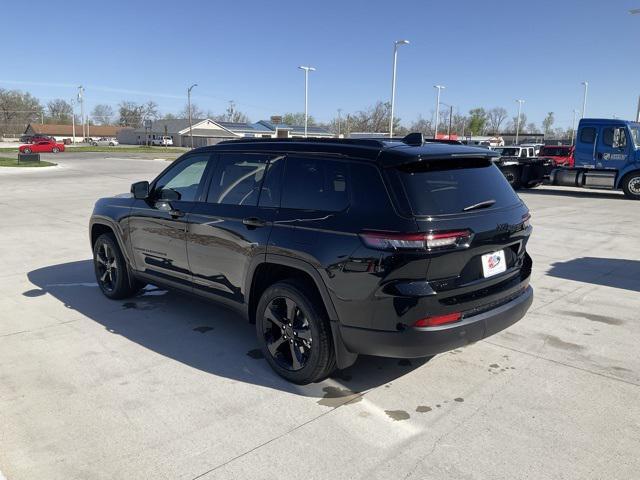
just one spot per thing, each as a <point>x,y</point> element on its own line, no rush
<point>560,155</point>
<point>45,146</point>
<point>333,248</point>
<point>104,142</point>
<point>36,138</point>
<point>163,141</point>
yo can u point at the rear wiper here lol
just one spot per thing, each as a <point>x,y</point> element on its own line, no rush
<point>475,206</point>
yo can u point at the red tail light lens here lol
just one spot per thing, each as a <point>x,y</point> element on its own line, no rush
<point>439,320</point>
<point>416,241</point>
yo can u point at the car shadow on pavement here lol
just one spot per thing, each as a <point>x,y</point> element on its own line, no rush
<point>198,333</point>
<point>609,272</point>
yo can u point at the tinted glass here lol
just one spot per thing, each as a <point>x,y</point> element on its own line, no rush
<point>315,184</point>
<point>554,151</point>
<point>614,137</point>
<point>510,152</point>
<point>449,186</point>
<point>588,135</point>
<point>182,181</point>
<point>237,179</point>
<point>635,133</point>
<point>270,191</point>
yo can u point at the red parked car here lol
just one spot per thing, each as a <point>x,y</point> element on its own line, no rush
<point>561,155</point>
<point>42,147</point>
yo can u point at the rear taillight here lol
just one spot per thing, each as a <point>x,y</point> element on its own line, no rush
<point>439,320</point>
<point>526,221</point>
<point>417,241</point>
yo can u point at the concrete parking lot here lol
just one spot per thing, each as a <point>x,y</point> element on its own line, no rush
<point>168,386</point>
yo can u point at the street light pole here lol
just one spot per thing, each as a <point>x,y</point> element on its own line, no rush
<point>573,127</point>
<point>520,102</point>
<point>306,95</point>
<point>396,44</point>
<point>81,100</point>
<point>435,129</point>
<point>189,107</point>
<point>73,121</point>
<point>584,100</point>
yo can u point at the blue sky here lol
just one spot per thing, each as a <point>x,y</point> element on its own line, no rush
<point>486,54</point>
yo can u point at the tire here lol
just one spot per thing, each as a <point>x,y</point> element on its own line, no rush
<point>27,151</point>
<point>512,174</point>
<point>55,150</point>
<point>112,272</point>
<point>294,333</point>
<point>95,144</point>
<point>111,144</point>
<point>631,185</point>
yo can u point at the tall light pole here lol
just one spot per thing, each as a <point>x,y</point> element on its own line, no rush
<point>81,101</point>
<point>573,127</point>
<point>189,107</point>
<point>584,100</point>
<point>435,129</point>
<point>520,102</point>
<point>396,44</point>
<point>306,95</point>
<point>73,120</point>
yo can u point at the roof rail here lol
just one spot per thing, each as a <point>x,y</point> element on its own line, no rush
<point>364,142</point>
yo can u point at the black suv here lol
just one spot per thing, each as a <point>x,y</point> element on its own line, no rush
<point>333,248</point>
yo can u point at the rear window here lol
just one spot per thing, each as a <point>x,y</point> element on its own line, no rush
<point>554,151</point>
<point>510,152</point>
<point>444,187</point>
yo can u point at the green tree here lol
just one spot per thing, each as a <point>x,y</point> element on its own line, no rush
<point>477,121</point>
<point>297,119</point>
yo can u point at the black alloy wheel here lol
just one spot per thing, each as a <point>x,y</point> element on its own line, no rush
<point>107,270</point>
<point>287,333</point>
<point>111,269</point>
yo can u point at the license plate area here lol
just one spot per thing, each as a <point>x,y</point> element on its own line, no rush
<point>493,263</point>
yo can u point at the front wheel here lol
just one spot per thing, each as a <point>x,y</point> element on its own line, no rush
<point>27,151</point>
<point>294,333</point>
<point>55,150</point>
<point>512,174</point>
<point>111,269</point>
<point>631,185</point>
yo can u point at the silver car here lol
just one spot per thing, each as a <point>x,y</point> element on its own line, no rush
<point>104,142</point>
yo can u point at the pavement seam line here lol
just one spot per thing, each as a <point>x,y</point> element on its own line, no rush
<point>558,362</point>
<point>351,400</point>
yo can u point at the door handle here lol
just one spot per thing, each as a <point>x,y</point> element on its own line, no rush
<point>176,213</point>
<point>253,222</point>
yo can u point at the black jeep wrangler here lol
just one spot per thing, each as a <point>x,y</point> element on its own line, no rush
<point>333,248</point>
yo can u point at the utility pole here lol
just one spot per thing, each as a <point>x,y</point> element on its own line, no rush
<point>339,110</point>
<point>396,44</point>
<point>584,100</point>
<point>73,121</point>
<point>435,129</point>
<point>189,107</point>
<point>520,102</point>
<point>306,95</point>
<point>638,111</point>
<point>81,101</point>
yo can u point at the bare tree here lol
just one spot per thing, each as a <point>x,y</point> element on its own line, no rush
<point>232,114</point>
<point>102,114</point>
<point>17,109</point>
<point>59,111</point>
<point>423,126</point>
<point>375,119</point>
<point>547,124</point>
<point>297,119</point>
<point>495,118</point>
<point>196,112</point>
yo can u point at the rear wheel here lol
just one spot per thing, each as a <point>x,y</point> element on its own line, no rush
<point>55,149</point>
<point>631,185</point>
<point>27,150</point>
<point>294,333</point>
<point>111,269</point>
<point>512,174</point>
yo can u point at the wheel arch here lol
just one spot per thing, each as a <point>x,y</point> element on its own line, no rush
<point>631,169</point>
<point>277,268</point>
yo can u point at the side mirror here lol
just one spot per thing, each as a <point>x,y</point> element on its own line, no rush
<point>140,190</point>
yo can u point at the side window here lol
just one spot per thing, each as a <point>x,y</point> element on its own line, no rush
<point>619,138</point>
<point>523,153</point>
<point>368,191</point>
<point>182,181</point>
<point>588,135</point>
<point>271,186</point>
<point>237,179</point>
<point>315,184</point>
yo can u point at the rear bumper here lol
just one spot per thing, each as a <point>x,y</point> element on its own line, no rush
<point>424,342</point>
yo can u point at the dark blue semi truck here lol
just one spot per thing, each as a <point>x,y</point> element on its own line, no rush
<point>607,155</point>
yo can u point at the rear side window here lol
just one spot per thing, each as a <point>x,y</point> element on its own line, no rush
<point>588,135</point>
<point>441,187</point>
<point>315,184</point>
<point>237,179</point>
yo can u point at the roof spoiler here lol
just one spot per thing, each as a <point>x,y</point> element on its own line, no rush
<point>415,139</point>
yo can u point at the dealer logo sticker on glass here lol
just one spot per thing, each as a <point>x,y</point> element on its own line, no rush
<point>494,263</point>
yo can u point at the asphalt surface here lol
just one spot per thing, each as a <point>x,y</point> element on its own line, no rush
<point>167,386</point>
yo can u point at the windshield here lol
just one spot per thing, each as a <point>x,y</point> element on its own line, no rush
<point>510,152</point>
<point>554,151</point>
<point>635,133</point>
<point>443,187</point>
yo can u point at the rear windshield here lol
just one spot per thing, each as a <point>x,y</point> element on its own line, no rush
<point>554,151</point>
<point>442,187</point>
<point>510,152</point>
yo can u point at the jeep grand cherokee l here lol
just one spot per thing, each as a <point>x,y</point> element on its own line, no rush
<point>333,248</point>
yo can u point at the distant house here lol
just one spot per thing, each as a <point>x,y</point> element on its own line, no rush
<point>62,132</point>
<point>209,132</point>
